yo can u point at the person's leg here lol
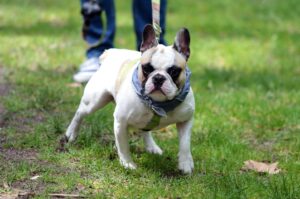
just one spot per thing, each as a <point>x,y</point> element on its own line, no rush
<point>92,28</point>
<point>92,33</point>
<point>106,42</point>
<point>142,15</point>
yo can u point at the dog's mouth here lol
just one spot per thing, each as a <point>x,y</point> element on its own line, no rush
<point>157,89</point>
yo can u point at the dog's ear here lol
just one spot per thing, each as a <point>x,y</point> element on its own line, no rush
<point>182,42</point>
<point>149,39</point>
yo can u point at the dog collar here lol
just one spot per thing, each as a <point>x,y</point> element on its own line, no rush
<point>161,108</point>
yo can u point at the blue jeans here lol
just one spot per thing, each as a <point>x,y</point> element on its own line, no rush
<point>100,40</point>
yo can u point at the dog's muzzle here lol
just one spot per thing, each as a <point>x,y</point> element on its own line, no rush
<point>158,80</point>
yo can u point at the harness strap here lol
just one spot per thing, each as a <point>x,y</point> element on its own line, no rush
<point>154,122</point>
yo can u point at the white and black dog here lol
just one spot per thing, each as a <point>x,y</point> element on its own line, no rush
<point>151,90</point>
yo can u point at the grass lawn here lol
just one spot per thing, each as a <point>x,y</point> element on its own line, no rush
<point>245,59</point>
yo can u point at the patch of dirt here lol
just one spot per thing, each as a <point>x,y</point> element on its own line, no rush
<point>16,155</point>
<point>22,123</point>
<point>254,142</point>
<point>26,187</point>
<point>29,186</point>
<point>4,90</point>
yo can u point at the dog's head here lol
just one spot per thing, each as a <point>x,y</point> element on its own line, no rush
<point>162,72</point>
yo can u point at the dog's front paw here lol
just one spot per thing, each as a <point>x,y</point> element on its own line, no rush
<point>154,149</point>
<point>128,164</point>
<point>186,163</point>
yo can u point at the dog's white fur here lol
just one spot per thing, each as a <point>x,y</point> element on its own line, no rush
<point>130,110</point>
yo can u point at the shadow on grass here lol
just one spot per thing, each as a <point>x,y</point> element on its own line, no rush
<point>165,165</point>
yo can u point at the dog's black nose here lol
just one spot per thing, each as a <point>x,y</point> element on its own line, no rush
<point>158,80</point>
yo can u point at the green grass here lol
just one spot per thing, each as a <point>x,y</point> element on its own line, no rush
<point>246,66</point>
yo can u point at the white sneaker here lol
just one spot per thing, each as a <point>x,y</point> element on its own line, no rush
<point>86,70</point>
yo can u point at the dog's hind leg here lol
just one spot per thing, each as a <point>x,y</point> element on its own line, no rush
<point>150,144</point>
<point>89,104</point>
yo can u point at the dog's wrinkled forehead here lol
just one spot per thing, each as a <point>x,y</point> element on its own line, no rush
<point>162,57</point>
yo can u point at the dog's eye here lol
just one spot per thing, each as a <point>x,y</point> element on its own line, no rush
<point>147,69</point>
<point>174,72</point>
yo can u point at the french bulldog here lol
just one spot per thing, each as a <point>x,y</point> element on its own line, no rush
<point>150,89</point>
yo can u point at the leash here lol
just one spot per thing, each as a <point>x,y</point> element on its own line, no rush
<point>156,18</point>
<point>155,22</point>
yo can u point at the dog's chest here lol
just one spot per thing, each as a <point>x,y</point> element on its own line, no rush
<point>140,119</point>
<point>147,120</point>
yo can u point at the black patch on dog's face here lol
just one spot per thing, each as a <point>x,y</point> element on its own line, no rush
<point>147,69</point>
<point>174,72</point>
